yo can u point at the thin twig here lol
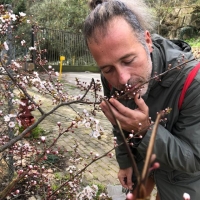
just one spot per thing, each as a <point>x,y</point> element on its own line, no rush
<point>125,142</point>
<point>145,170</point>
<point>19,137</point>
<point>155,77</point>
<point>82,170</point>
<point>141,189</point>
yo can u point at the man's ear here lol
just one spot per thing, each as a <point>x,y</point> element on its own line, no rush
<point>149,41</point>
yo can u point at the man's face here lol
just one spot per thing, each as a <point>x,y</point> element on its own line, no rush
<point>121,57</point>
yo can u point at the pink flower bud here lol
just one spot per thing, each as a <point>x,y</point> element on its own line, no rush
<point>30,166</point>
<point>186,196</point>
<point>131,135</point>
<point>45,157</point>
<point>43,138</point>
<point>56,152</point>
<point>97,155</point>
<point>20,172</point>
<point>59,124</point>
<point>110,155</point>
<point>17,192</point>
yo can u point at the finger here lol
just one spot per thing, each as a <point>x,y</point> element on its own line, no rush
<point>153,157</point>
<point>123,181</point>
<point>120,108</point>
<point>129,182</point>
<point>141,104</point>
<point>106,110</point>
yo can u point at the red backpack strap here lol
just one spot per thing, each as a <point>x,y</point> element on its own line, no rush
<point>187,83</point>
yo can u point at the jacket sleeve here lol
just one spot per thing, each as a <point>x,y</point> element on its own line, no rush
<point>180,148</point>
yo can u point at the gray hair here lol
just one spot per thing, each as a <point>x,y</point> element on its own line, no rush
<point>135,12</point>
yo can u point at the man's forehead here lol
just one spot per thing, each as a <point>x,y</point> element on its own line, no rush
<point>111,28</point>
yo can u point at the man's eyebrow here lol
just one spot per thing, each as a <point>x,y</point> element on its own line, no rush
<point>126,56</point>
<point>123,57</point>
<point>104,66</point>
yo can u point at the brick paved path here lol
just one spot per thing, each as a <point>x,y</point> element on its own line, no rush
<point>104,171</point>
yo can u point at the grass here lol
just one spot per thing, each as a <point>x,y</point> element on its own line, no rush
<point>194,42</point>
<point>35,133</point>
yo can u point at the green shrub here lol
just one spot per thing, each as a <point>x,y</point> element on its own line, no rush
<point>194,42</point>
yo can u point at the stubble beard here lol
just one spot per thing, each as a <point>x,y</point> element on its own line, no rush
<point>138,84</point>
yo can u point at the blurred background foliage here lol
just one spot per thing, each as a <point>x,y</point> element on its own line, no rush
<point>175,19</point>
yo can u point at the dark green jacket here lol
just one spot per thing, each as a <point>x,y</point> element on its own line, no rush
<point>177,144</point>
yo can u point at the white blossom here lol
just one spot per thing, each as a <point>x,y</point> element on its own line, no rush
<point>11,124</point>
<point>32,48</point>
<point>87,124</point>
<point>13,17</point>
<point>22,103</point>
<point>89,192</point>
<point>6,118</point>
<point>22,14</point>
<point>12,115</point>
<point>2,19</point>
<point>85,111</point>
<point>6,46</point>
<point>84,121</point>
<point>96,121</point>
<point>19,123</point>
<point>23,42</point>
<point>95,134</point>
<point>71,167</point>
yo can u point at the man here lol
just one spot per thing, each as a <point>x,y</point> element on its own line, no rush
<point>127,55</point>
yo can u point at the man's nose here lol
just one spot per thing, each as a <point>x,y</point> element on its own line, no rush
<point>123,76</point>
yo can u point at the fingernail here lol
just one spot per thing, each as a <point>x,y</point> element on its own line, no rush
<point>139,97</point>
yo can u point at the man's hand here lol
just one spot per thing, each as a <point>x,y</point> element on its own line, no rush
<point>136,120</point>
<point>125,177</point>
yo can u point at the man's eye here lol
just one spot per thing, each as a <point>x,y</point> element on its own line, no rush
<point>107,70</point>
<point>127,62</point>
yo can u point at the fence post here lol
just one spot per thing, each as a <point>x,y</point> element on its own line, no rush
<point>61,62</point>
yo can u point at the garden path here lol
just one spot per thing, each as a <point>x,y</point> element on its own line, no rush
<point>104,171</point>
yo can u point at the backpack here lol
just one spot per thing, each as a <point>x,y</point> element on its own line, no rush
<point>187,83</point>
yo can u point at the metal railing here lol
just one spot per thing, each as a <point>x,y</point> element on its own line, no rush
<point>62,43</point>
